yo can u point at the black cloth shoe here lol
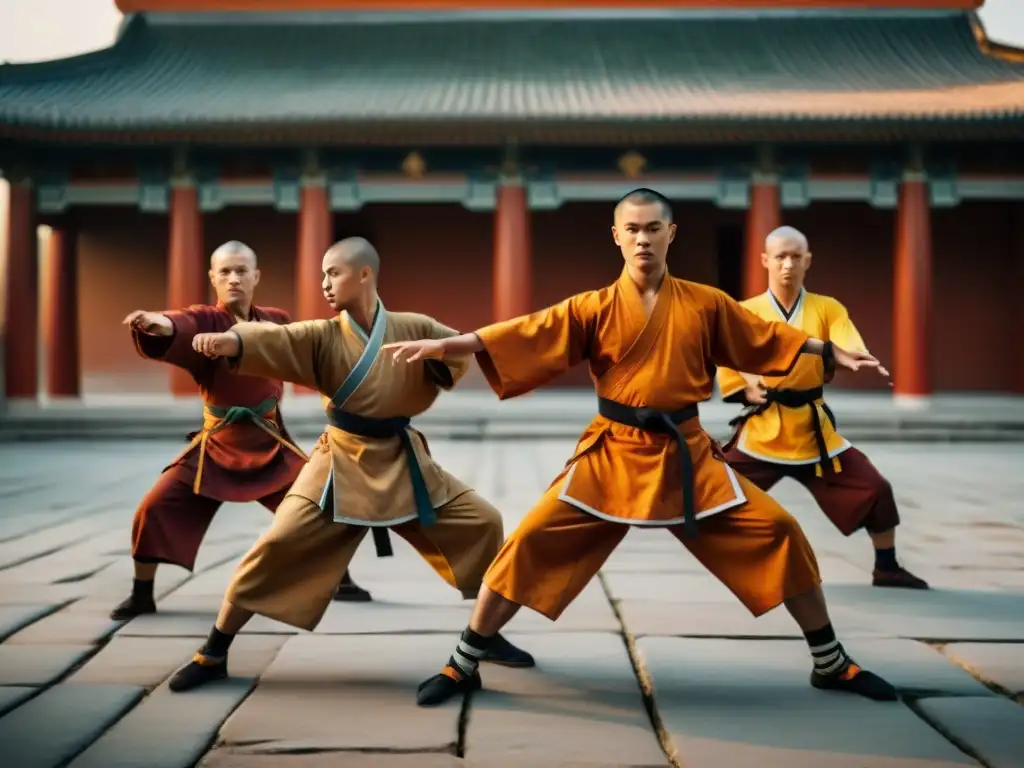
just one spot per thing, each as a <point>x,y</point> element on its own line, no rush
<point>440,688</point>
<point>200,671</point>
<point>133,606</point>
<point>853,679</point>
<point>899,578</point>
<point>351,593</point>
<point>502,652</point>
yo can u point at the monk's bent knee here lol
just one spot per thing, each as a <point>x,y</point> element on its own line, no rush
<point>884,514</point>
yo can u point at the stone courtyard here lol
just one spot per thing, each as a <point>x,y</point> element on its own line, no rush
<point>655,664</point>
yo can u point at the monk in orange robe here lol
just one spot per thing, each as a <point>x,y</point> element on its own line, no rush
<point>652,342</point>
<point>243,451</point>
<point>786,430</point>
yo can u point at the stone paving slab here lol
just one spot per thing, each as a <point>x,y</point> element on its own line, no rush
<point>12,695</point>
<point>717,696</point>
<point>44,594</point>
<point>14,617</point>
<point>167,730</point>
<point>580,704</point>
<point>913,667</point>
<point>991,728</point>
<point>141,661</point>
<point>726,619</point>
<point>38,664</point>
<point>999,663</point>
<point>48,730</point>
<point>189,619</point>
<point>232,758</point>
<point>353,692</point>
<point>68,627</point>
<point>937,614</point>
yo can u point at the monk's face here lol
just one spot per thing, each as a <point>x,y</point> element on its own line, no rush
<point>787,261</point>
<point>234,277</point>
<point>643,232</point>
<point>344,283</point>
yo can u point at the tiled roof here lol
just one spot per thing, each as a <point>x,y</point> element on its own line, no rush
<point>732,72</point>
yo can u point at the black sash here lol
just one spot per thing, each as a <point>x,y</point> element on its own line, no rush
<point>364,426</point>
<point>793,398</point>
<point>661,422</point>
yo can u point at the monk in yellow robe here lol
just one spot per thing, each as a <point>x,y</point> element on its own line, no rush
<point>651,341</point>
<point>788,431</point>
<point>370,470</point>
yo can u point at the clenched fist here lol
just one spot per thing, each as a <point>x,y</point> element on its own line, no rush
<point>153,323</point>
<point>225,344</point>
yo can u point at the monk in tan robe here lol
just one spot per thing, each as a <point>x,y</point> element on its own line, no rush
<point>787,430</point>
<point>370,471</point>
<point>243,451</point>
<point>651,341</point>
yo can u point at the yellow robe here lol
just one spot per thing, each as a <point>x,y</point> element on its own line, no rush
<point>663,362</point>
<point>372,485</point>
<point>782,435</point>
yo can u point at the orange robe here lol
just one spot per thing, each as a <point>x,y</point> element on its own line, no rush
<point>619,475</point>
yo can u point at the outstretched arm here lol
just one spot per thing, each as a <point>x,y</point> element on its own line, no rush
<point>167,336</point>
<point>287,352</point>
<point>517,355</point>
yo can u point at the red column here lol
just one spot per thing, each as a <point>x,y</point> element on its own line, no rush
<point>187,271</point>
<point>513,281</point>
<point>763,215</point>
<point>912,292</point>
<point>314,238</point>
<point>1013,314</point>
<point>21,296</point>
<point>60,315</point>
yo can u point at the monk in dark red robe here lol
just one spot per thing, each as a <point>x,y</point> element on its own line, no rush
<point>243,451</point>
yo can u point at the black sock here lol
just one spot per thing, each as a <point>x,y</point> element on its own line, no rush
<point>471,648</point>
<point>142,589</point>
<point>829,656</point>
<point>885,559</point>
<point>346,580</point>
<point>217,644</point>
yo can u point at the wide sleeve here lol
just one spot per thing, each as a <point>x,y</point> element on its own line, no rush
<point>287,352</point>
<point>745,342</point>
<point>526,352</point>
<point>730,383</point>
<point>176,349</point>
<point>447,372</point>
<point>841,330</point>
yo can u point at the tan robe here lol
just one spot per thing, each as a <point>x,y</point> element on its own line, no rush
<point>290,573</point>
<point>619,475</point>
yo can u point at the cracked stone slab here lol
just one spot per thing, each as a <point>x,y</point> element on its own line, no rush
<point>232,758</point>
<point>49,729</point>
<point>999,663</point>
<point>170,729</point>
<point>67,627</point>
<point>581,704</point>
<point>11,696</point>
<point>38,664</point>
<point>14,617</point>
<point>348,692</point>
<point>735,703</point>
<point>992,728</point>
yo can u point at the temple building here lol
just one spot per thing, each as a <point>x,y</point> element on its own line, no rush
<point>481,151</point>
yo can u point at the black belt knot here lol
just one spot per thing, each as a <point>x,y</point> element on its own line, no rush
<point>794,398</point>
<point>396,426</point>
<point>665,423</point>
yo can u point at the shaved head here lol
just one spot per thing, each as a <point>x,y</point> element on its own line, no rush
<point>644,196</point>
<point>233,248</point>
<point>356,252</point>
<point>788,235</point>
